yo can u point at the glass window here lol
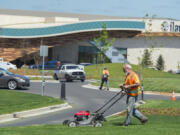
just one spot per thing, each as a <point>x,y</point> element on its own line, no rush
<point>115,53</point>
<point>123,51</point>
<point>89,54</point>
<point>63,68</point>
<point>72,67</point>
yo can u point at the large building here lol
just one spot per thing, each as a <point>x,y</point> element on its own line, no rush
<point>70,37</point>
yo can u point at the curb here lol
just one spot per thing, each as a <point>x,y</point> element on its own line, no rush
<point>48,77</point>
<point>46,81</point>
<point>33,112</point>
<point>90,86</point>
<point>57,81</point>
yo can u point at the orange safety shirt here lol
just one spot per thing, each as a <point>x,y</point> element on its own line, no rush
<point>105,72</point>
<point>132,78</point>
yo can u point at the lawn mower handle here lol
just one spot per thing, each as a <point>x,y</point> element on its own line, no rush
<point>121,92</point>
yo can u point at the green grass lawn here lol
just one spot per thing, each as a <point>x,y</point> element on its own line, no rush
<point>153,80</point>
<point>12,101</point>
<point>158,124</point>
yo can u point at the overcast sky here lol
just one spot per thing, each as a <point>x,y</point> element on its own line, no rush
<point>129,8</point>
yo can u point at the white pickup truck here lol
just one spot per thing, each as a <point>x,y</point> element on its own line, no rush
<point>70,72</point>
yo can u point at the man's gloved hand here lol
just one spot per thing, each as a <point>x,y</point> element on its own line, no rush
<point>121,86</point>
<point>126,86</point>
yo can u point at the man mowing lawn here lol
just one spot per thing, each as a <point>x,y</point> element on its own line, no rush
<point>132,85</point>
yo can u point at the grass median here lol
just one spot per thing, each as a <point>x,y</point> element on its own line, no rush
<point>153,80</point>
<point>160,123</point>
<point>12,101</point>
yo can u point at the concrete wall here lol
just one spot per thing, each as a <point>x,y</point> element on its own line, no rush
<point>68,52</point>
<point>169,47</point>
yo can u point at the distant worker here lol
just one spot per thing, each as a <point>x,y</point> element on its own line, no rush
<point>132,85</point>
<point>104,78</point>
<point>58,64</point>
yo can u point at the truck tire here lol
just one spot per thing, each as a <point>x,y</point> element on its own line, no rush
<point>82,80</point>
<point>67,78</point>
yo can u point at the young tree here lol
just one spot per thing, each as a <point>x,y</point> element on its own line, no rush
<point>103,43</point>
<point>146,60</point>
<point>160,63</point>
<point>37,58</point>
<point>24,53</point>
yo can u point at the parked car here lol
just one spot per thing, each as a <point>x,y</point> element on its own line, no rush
<point>13,81</point>
<point>48,65</point>
<point>85,64</point>
<point>69,72</point>
<point>7,65</point>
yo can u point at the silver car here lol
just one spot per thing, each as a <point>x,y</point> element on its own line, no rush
<point>12,81</point>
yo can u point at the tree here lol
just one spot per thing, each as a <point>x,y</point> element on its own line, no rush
<point>37,58</point>
<point>24,51</point>
<point>146,60</point>
<point>160,63</point>
<point>103,43</point>
<point>24,54</point>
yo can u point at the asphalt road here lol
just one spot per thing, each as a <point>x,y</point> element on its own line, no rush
<point>78,97</point>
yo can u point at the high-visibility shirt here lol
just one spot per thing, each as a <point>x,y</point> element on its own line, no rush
<point>132,78</point>
<point>105,72</point>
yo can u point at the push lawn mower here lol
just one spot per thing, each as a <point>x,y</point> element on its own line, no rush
<point>86,118</point>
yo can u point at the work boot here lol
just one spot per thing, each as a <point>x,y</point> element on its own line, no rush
<point>125,125</point>
<point>100,88</point>
<point>107,88</point>
<point>144,121</point>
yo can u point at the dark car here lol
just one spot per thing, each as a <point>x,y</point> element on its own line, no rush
<point>13,81</point>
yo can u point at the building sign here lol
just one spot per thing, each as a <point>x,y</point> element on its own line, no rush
<point>170,26</point>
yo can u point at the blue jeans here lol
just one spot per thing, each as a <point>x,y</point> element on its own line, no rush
<point>131,110</point>
<point>102,82</point>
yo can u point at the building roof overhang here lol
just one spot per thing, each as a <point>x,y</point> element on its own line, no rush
<point>71,28</point>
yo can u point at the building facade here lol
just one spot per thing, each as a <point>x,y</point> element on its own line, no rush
<point>70,37</point>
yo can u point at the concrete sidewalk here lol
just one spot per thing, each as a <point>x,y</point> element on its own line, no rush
<point>90,86</point>
<point>49,77</point>
<point>33,112</point>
